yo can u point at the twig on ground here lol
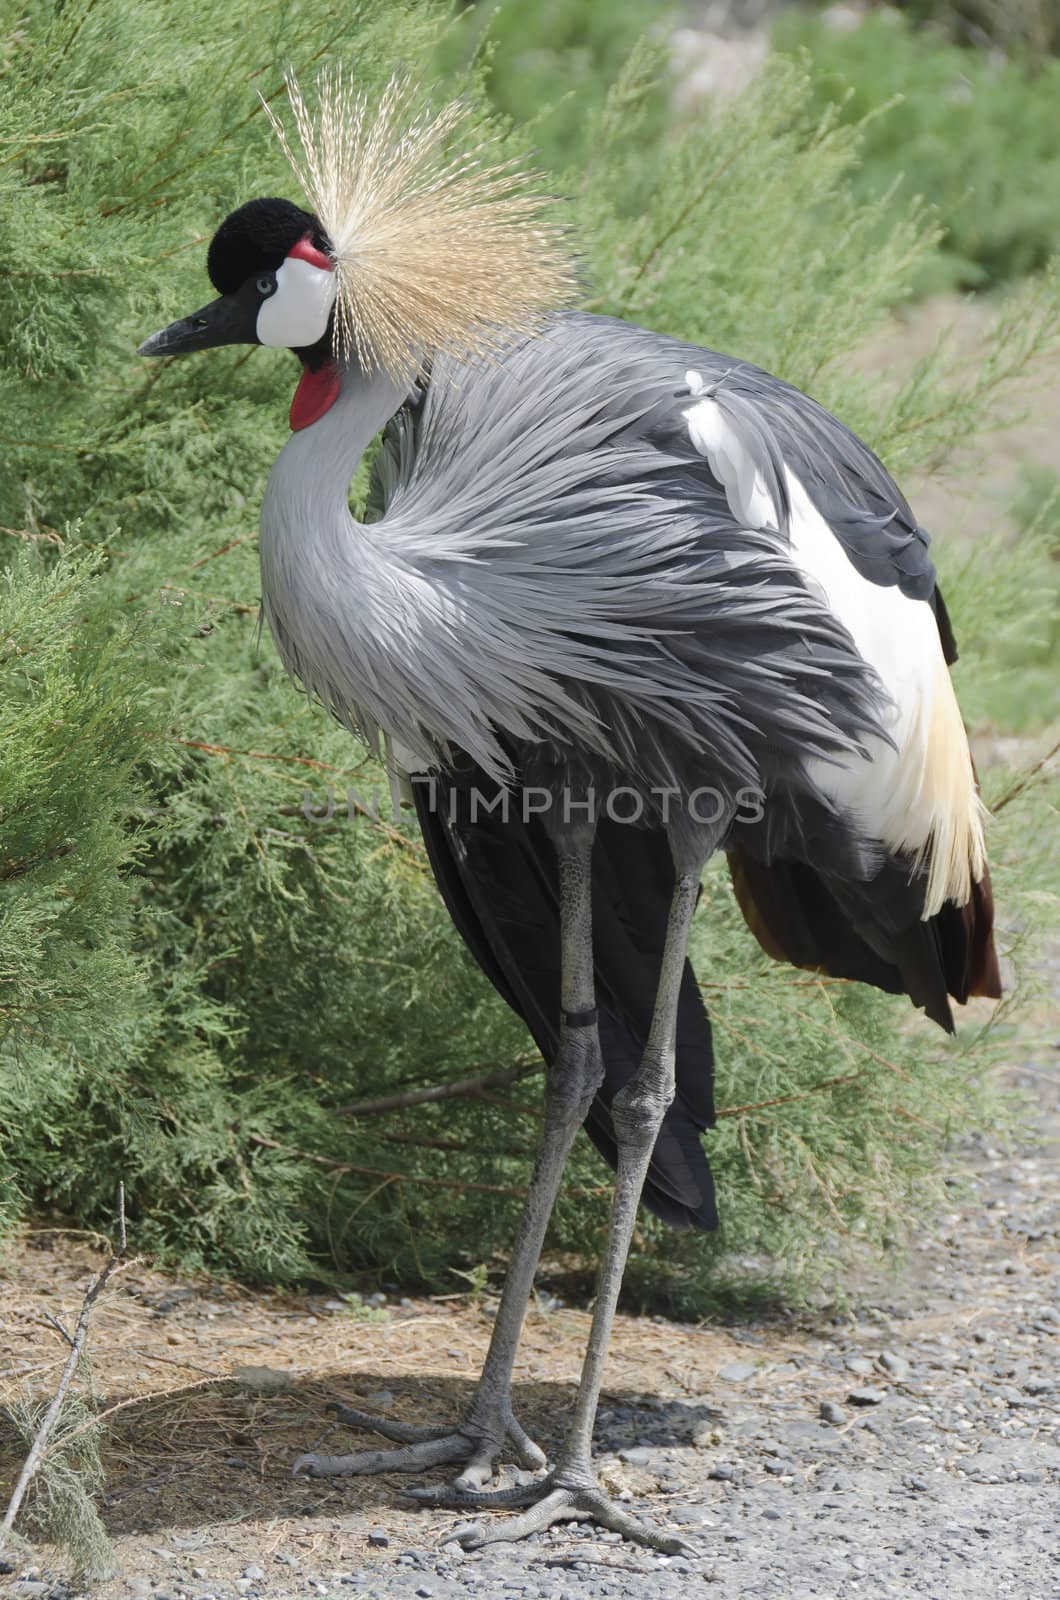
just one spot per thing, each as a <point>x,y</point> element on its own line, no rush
<point>575,1562</point>
<point>77,1345</point>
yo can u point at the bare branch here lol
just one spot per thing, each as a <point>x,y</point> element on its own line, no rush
<point>1025,780</point>
<point>788,1099</point>
<point>499,1078</point>
<point>18,869</point>
<point>53,1322</point>
<point>381,1172</point>
<point>583,1191</point>
<point>413,846</point>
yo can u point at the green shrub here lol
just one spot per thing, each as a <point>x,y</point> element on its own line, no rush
<point>210,977</point>
<point>973,132</point>
<point>1032,25</point>
<point>549,67</point>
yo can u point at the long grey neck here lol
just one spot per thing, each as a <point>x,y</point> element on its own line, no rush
<point>311,478</point>
<point>340,602</point>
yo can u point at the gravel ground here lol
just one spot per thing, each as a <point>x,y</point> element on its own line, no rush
<point>909,1448</point>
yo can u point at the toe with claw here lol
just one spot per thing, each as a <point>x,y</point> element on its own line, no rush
<point>420,1449</point>
<point>548,1501</point>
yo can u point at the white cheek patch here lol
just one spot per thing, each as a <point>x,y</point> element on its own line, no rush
<point>297,314</point>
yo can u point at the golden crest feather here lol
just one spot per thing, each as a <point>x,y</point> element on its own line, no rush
<point>436,249</point>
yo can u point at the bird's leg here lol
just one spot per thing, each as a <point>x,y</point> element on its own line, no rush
<point>572,1081</point>
<point>570,1491</point>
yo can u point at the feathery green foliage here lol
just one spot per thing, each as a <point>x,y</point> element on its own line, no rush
<point>60,1507</point>
<point>973,132</point>
<point>1025,25</point>
<point>194,993</point>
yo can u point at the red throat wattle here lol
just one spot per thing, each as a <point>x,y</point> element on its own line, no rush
<point>316,393</point>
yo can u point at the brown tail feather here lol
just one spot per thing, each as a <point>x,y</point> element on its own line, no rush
<point>967,942</point>
<point>871,932</point>
<point>791,912</point>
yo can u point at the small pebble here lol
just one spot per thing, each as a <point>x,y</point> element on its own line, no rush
<point>830,1412</point>
<point>253,1572</point>
<point>896,1365</point>
<point>866,1396</point>
<point>737,1371</point>
<point>691,1516</point>
<point>379,1539</point>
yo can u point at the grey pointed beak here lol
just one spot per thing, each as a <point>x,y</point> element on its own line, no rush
<point>232,319</point>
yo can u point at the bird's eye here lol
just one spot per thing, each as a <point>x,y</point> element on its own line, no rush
<point>266,285</point>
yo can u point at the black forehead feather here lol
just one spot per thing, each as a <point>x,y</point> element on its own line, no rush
<point>255,238</point>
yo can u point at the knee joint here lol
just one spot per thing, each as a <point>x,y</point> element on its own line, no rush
<point>640,1105</point>
<point>577,1072</point>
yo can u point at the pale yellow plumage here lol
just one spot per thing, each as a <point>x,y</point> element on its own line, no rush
<point>437,248</point>
<point>938,816</point>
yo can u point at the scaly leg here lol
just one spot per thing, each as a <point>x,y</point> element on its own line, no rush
<point>573,1080</point>
<point>570,1492</point>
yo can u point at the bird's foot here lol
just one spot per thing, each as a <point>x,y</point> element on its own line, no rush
<point>478,1445</point>
<point>551,1500</point>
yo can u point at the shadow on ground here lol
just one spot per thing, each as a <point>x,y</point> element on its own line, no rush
<point>224,1451</point>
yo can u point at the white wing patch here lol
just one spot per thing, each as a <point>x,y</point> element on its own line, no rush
<point>918,798</point>
<point>730,463</point>
<point>297,314</point>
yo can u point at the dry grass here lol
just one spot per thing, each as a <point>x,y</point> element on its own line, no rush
<point>208,1391</point>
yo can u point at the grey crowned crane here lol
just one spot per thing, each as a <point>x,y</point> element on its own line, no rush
<point>602,564</point>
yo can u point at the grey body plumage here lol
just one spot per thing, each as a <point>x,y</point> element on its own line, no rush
<point>552,563</point>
